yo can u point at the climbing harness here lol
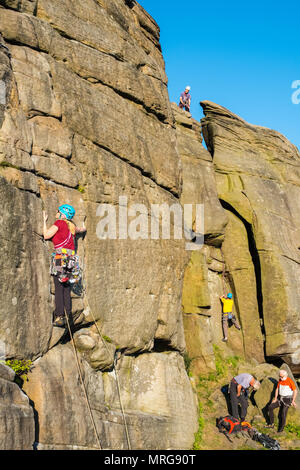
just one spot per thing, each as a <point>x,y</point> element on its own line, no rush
<point>65,265</point>
<point>285,403</point>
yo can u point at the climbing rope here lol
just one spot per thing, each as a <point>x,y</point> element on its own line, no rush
<point>82,383</point>
<point>114,358</point>
<point>77,361</point>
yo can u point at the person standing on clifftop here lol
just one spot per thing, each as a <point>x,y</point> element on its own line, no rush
<point>185,99</point>
<point>227,304</point>
<point>65,263</point>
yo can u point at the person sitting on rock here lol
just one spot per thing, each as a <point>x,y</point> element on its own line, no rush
<point>185,99</point>
<point>227,305</point>
<point>285,396</point>
<point>239,391</point>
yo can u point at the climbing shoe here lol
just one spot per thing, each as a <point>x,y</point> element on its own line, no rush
<point>59,321</point>
<point>270,426</point>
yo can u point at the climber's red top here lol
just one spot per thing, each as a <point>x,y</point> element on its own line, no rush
<point>63,237</point>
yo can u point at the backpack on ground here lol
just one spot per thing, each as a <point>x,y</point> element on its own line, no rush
<point>228,425</point>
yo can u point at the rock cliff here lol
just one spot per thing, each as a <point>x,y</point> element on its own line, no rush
<point>85,119</point>
<point>258,176</point>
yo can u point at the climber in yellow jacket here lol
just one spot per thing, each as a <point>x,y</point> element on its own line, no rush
<point>227,304</point>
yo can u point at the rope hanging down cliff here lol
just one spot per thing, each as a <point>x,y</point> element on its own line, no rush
<point>82,383</point>
<point>114,360</point>
<point>64,216</point>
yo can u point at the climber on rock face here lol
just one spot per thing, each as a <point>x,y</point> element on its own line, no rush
<point>65,263</point>
<point>227,305</point>
<point>185,99</point>
<point>239,391</point>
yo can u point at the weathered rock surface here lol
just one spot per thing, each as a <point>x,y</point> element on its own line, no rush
<point>258,176</point>
<point>87,120</point>
<point>156,396</point>
<point>203,278</point>
<point>17,424</point>
<point>253,172</point>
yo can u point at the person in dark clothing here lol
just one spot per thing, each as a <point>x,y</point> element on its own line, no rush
<point>65,263</point>
<point>238,389</point>
<point>63,301</point>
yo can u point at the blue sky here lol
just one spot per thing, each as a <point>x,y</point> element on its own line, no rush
<point>242,55</point>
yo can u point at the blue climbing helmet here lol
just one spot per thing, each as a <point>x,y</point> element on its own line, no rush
<point>67,210</point>
<point>229,296</point>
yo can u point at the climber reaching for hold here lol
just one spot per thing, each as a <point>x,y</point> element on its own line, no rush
<point>65,263</point>
<point>227,305</point>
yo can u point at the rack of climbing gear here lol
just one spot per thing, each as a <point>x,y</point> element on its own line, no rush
<point>65,265</point>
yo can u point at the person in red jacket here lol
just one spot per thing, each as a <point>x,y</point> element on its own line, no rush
<point>285,396</point>
<point>62,234</point>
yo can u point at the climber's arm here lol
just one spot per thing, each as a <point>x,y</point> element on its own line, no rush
<point>50,232</point>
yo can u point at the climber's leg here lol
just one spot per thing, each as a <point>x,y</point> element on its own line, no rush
<point>59,303</point>
<point>59,297</point>
<point>225,326</point>
<point>235,323</point>
<point>67,297</point>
